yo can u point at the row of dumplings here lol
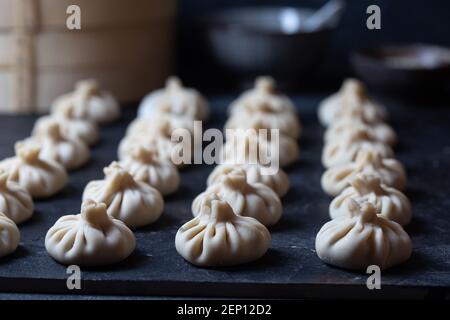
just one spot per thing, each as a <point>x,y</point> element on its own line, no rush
<point>59,142</point>
<point>369,209</point>
<point>232,215</point>
<point>131,194</point>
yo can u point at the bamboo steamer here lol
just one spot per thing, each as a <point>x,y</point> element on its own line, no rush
<point>126,45</point>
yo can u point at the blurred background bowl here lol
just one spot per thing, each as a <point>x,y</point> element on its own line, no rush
<point>248,42</point>
<point>407,70</point>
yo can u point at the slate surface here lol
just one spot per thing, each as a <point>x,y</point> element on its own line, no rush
<point>291,267</point>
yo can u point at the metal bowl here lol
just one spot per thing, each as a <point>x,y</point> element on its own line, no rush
<point>266,40</point>
<point>414,69</point>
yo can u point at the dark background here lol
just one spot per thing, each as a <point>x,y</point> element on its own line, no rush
<point>402,21</point>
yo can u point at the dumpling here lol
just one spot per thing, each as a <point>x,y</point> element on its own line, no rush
<point>218,237</point>
<point>278,182</point>
<point>146,166</point>
<point>15,202</point>
<point>134,202</point>
<point>241,144</point>
<point>176,100</point>
<point>71,128</point>
<point>352,95</point>
<point>91,238</point>
<point>41,178</point>
<point>159,136</point>
<point>146,126</point>
<point>9,235</point>
<point>71,154</point>
<point>389,202</point>
<point>265,96</point>
<point>344,148</point>
<point>88,102</point>
<point>249,200</point>
<point>390,171</point>
<point>376,131</point>
<point>361,238</point>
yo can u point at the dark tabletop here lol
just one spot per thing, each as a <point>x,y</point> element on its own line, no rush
<point>291,267</point>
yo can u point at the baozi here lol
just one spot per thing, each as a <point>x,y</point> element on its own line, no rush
<point>218,237</point>
<point>91,238</point>
<point>344,148</point>
<point>351,96</point>
<point>175,100</point>
<point>41,178</point>
<point>15,201</point>
<point>70,127</point>
<point>88,102</point>
<point>133,202</point>
<point>278,182</point>
<point>265,96</point>
<point>249,200</point>
<point>380,132</point>
<point>250,147</point>
<point>9,235</point>
<point>146,166</point>
<point>390,171</point>
<point>360,238</point>
<point>388,202</point>
<point>70,153</point>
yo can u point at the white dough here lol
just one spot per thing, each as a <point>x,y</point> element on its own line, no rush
<point>218,237</point>
<point>389,202</point>
<point>91,238</point>
<point>9,235</point>
<point>343,149</point>
<point>15,201</point>
<point>71,153</point>
<point>133,202</point>
<point>390,171</point>
<point>88,102</point>
<point>278,182</point>
<point>360,238</point>
<point>352,96</point>
<point>41,178</point>
<point>250,200</point>
<point>176,100</point>
<point>146,166</point>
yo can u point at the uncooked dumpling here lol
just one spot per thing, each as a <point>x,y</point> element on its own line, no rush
<point>41,178</point>
<point>249,147</point>
<point>344,148</point>
<point>266,109</point>
<point>389,202</point>
<point>70,153</point>
<point>361,238</point>
<point>134,202</point>
<point>15,201</point>
<point>91,238</point>
<point>89,102</point>
<point>351,96</point>
<point>146,166</point>
<point>278,182</point>
<point>218,237</point>
<point>159,136</point>
<point>146,126</point>
<point>70,127</point>
<point>264,95</point>
<point>9,235</point>
<point>176,100</point>
<point>376,131</point>
<point>390,171</point>
<point>249,200</point>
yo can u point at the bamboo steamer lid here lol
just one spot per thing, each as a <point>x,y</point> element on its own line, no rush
<point>125,45</point>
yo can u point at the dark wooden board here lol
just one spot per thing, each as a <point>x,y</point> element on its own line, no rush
<point>291,267</point>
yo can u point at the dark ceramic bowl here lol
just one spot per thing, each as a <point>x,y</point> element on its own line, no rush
<point>404,69</point>
<point>265,40</point>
